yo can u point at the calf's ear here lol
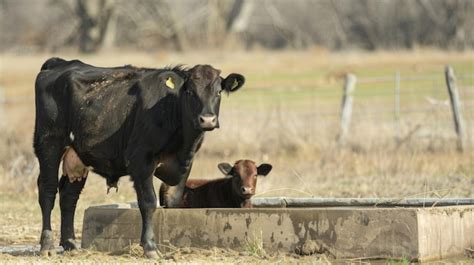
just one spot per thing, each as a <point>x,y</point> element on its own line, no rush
<point>233,82</point>
<point>225,168</point>
<point>264,169</point>
<point>155,86</point>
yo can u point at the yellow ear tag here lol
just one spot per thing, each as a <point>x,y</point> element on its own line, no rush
<point>170,83</point>
<point>235,84</point>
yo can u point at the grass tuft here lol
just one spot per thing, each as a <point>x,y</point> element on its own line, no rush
<point>254,246</point>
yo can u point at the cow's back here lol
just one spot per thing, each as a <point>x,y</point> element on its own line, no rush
<point>54,62</point>
<point>91,106</point>
<point>94,97</point>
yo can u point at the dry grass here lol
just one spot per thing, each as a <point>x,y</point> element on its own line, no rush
<point>293,134</point>
<point>283,117</point>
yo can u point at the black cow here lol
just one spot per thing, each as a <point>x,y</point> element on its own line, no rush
<point>121,121</point>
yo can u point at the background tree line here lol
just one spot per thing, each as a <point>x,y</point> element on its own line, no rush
<point>93,25</point>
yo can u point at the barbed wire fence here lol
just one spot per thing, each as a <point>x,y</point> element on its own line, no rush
<point>403,108</point>
<point>436,109</point>
<point>363,110</point>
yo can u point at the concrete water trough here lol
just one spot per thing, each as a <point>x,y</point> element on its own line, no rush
<point>414,229</point>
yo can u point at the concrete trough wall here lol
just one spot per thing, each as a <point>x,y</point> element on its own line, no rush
<point>343,232</point>
<point>283,202</point>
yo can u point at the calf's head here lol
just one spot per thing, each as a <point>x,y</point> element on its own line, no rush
<point>244,175</point>
<point>202,95</point>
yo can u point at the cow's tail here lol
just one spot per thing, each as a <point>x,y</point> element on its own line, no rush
<point>52,63</point>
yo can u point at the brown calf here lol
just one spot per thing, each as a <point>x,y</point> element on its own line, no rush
<point>234,191</point>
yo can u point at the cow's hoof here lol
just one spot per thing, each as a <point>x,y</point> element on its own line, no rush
<point>47,244</point>
<point>69,245</point>
<point>48,253</point>
<point>74,252</point>
<point>152,254</point>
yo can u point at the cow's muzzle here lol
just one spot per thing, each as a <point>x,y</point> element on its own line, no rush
<point>247,192</point>
<point>208,122</point>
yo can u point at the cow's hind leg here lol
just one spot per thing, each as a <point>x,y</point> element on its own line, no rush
<point>49,152</point>
<point>68,197</point>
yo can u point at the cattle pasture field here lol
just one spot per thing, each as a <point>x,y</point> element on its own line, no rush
<point>287,114</point>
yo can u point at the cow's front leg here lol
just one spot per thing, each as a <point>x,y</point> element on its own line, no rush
<point>174,195</point>
<point>143,183</point>
<point>68,197</point>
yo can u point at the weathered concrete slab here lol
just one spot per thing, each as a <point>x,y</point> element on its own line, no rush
<point>344,232</point>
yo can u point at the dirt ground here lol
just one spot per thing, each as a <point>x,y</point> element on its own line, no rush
<point>21,227</point>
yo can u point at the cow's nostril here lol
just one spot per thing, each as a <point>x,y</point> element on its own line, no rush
<point>243,189</point>
<point>201,119</point>
<point>213,119</point>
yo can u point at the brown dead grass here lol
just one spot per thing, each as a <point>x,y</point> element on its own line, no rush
<point>296,139</point>
<point>293,137</point>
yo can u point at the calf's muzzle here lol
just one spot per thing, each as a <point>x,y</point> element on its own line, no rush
<point>247,191</point>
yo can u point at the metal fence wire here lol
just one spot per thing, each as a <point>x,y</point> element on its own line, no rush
<point>396,107</point>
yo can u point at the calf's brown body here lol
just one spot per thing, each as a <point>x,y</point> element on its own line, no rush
<point>233,191</point>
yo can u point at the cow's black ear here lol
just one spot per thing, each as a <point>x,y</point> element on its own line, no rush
<point>225,168</point>
<point>155,86</point>
<point>264,169</point>
<point>233,82</point>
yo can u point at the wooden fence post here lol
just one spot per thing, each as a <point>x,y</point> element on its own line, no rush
<point>2,109</point>
<point>346,107</point>
<point>397,106</point>
<point>456,107</point>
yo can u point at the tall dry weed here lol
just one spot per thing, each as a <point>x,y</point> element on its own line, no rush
<point>18,165</point>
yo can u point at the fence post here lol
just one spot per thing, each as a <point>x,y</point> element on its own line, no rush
<point>2,109</point>
<point>456,107</point>
<point>397,106</point>
<point>346,107</point>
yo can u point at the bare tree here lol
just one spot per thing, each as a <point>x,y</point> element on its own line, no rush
<point>94,17</point>
<point>91,25</point>
<point>150,23</point>
<point>451,18</point>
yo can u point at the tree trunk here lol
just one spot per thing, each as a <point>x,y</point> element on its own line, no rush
<point>94,16</point>
<point>240,15</point>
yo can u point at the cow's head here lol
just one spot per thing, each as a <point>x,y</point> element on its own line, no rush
<point>244,175</point>
<point>202,95</point>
